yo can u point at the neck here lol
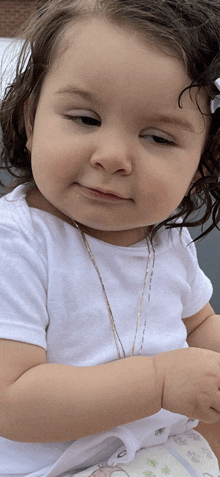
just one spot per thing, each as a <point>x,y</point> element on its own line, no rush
<point>123,238</point>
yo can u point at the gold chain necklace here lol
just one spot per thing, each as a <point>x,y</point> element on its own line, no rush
<point>112,321</point>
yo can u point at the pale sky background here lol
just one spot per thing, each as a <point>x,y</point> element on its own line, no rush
<point>8,52</point>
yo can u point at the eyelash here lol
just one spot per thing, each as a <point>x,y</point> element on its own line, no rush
<point>89,121</point>
<point>159,140</point>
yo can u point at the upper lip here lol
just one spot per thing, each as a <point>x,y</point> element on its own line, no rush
<point>107,192</point>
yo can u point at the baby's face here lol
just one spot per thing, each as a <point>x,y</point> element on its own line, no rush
<point>110,146</point>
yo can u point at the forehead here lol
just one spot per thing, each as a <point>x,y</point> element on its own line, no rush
<point>112,60</point>
<point>112,46</point>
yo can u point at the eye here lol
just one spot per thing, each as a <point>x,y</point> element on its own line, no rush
<point>84,120</point>
<point>158,138</point>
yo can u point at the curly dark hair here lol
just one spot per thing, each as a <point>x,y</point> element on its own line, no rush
<point>191,28</point>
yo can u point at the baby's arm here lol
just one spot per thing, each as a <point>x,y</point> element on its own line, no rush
<point>206,334</point>
<point>203,329</point>
<point>42,402</point>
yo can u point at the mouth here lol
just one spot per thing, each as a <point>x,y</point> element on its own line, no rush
<point>101,194</point>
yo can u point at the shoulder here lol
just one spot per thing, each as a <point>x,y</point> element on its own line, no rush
<point>14,211</point>
<point>180,262</point>
<point>175,240</point>
<point>178,249</point>
<point>19,236</point>
<point>25,212</point>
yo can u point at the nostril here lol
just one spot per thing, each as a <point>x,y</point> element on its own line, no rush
<point>98,164</point>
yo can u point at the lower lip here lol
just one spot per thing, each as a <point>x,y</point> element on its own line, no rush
<point>98,194</point>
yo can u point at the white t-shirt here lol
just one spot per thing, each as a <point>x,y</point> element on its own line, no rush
<point>51,296</point>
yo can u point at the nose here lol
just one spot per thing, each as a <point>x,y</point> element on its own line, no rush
<point>114,155</point>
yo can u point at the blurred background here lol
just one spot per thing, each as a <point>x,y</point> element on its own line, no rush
<point>13,13</point>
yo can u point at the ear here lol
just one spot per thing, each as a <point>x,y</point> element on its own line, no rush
<point>28,126</point>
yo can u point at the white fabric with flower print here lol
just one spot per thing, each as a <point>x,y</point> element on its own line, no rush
<point>181,456</point>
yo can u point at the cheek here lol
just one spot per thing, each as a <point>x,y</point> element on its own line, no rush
<point>49,163</point>
<point>163,193</point>
<point>57,155</point>
<point>162,181</point>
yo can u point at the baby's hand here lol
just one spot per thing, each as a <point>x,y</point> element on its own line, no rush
<point>191,382</point>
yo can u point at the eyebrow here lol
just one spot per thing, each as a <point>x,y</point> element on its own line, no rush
<point>183,123</point>
<point>170,120</point>
<point>70,90</point>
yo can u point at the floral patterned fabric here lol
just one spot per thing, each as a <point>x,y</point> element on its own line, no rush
<point>184,455</point>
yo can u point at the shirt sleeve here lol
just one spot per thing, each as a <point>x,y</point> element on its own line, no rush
<point>200,288</point>
<point>23,284</point>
